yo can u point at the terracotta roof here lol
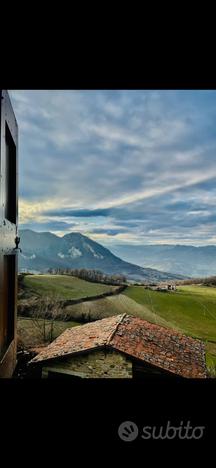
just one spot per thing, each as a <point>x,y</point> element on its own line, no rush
<point>156,345</point>
<point>81,338</point>
<point>161,347</point>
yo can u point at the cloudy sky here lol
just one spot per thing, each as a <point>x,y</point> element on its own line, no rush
<point>119,166</point>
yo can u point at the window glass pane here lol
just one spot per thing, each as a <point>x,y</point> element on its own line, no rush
<point>10,178</point>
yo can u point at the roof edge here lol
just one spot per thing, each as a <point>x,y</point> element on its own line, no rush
<point>116,328</point>
<point>70,353</point>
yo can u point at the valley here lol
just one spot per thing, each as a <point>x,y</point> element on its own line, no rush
<point>190,309</point>
<point>186,260</point>
<point>42,251</point>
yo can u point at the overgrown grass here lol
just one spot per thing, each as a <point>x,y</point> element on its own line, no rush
<point>64,287</point>
<point>31,332</point>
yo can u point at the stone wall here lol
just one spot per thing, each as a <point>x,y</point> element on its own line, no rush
<point>96,364</point>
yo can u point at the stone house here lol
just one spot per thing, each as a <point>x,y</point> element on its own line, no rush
<point>122,346</point>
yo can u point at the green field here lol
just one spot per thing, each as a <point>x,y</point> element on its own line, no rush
<point>63,287</point>
<point>191,309</point>
<point>112,305</point>
<point>211,358</point>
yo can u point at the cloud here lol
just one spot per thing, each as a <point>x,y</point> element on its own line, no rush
<point>139,165</point>
<point>64,212</point>
<point>108,232</point>
<point>54,226</point>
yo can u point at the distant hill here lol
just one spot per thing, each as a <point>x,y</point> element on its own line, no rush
<point>44,250</point>
<point>181,259</point>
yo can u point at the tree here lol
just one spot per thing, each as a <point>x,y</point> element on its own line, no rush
<point>44,315</point>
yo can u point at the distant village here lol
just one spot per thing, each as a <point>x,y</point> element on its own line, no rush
<point>162,287</point>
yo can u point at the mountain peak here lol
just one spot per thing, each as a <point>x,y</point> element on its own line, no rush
<point>41,251</point>
<point>75,234</point>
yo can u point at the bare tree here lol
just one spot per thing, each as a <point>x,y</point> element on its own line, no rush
<point>48,309</point>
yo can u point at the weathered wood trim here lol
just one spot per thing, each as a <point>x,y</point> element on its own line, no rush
<point>8,232</point>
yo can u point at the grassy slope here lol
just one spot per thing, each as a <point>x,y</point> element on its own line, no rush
<point>63,287</point>
<point>211,357</point>
<point>112,305</point>
<point>191,309</point>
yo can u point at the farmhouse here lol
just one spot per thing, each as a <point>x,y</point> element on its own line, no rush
<point>166,287</point>
<point>122,346</point>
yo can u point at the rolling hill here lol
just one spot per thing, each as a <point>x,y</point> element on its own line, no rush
<point>190,309</point>
<point>63,286</point>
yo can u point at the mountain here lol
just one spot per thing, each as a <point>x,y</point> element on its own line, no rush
<point>44,250</point>
<point>182,259</point>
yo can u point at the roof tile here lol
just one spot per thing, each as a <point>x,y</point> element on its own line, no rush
<point>162,347</point>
